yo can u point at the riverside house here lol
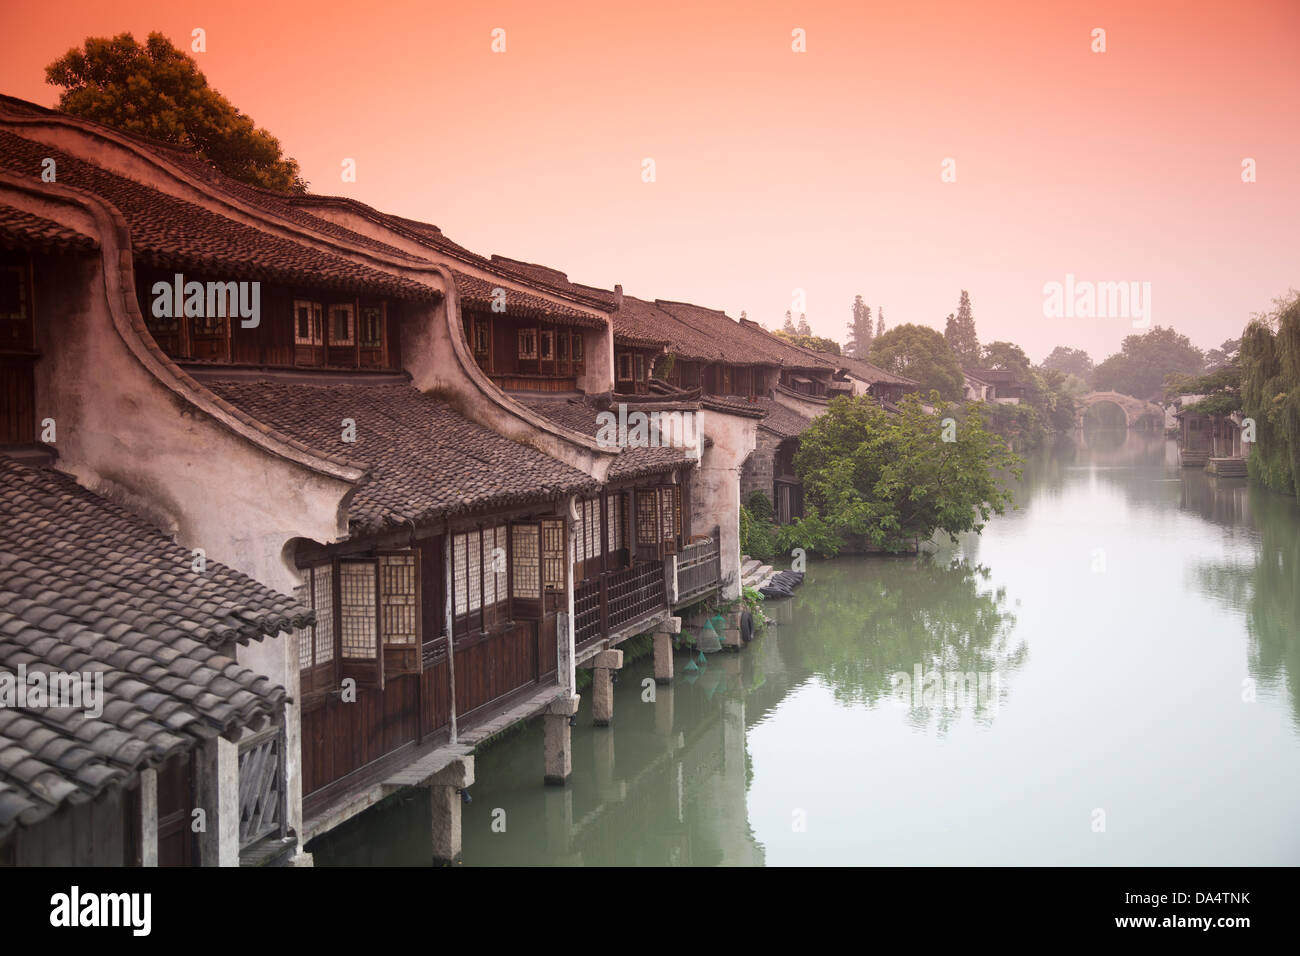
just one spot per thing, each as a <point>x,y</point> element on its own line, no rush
<point>404,440</point>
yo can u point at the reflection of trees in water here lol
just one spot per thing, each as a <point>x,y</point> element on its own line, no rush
<point>873,617</point>
<point>1268,591</point>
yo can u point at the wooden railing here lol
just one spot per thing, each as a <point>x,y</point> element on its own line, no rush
<point>603,604</point>
<point>587,606</point>
<point>699,568</point>
<point>635,593</point>
<point>261,786</point>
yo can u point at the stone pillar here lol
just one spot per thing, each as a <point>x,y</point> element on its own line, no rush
<point>663,637</point>
<point>557,739</point>
<point>149,818</point>
<point>602,686</point>
<point>444,794</point>
<point>731,633</point>
<point>217,766</point>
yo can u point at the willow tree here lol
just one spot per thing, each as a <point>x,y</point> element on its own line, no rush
<point>1270,394</point>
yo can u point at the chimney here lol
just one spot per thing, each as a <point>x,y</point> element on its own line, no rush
<point>618,297</point>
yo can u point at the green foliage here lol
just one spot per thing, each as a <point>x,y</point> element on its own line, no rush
<point>757,536</point>
<point>156,90</point>
<point>920,353</point>
<point>760,506</point>
<point>1005,355</point>
<point>814,342</point>
<point>1221,390</point>
<point>1145,361</point>
<point>959,332</point>
<point>1270,394</point>
<point>890,479</point>
<point>664,366</point>
<point>1070,361</point>
<point>859,344</point>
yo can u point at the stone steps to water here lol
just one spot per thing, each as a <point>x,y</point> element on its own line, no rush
<point>1227,467</point>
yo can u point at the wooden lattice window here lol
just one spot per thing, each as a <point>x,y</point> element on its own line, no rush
<point>16,328</point>
<point>647,518</point>
<point>614,521</point>
<point>308,327</point>
<point>528,343</point>
<point>372,328</point>
<point>546,343</point>
<point>554,554</point>
<point>670,510</point>
<point>525,558</point>
<point>482,337</point>
<point>562,347</point>
<point>577,346</point>
<point>399,598</point>
<point>316,651</point>
<point>358,621</point>
<point>341,325</point>
<point>640,368</point>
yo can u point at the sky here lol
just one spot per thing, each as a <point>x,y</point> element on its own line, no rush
<point>909,151</point>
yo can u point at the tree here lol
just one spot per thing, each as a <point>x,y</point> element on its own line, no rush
<point>155,90</point>
<point>804,327</point>
<point>1270,394</point>
<point>814,342</point>
<point>1005,356</point>
<point>789,328</point>
<point>1226,354</point>
<point>892,478</point>
<point>920,353</point>
<point>960,333</point>
<point>1145,361</point>
<point>1075,362</point>
<point>859,344</point>
<point>880,321</point>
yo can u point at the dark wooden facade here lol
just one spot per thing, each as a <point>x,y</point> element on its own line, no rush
<point>526,354</point>
<point>297,327</point>
<point>18,353</point>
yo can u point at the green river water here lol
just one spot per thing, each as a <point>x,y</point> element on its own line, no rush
<point>1133,635</point>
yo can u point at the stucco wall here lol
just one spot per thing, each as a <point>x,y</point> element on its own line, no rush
<point>715,489</point>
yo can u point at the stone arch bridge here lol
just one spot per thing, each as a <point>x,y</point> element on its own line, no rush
<point>1135,409</point>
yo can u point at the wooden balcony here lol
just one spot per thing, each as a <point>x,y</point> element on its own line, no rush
<point>699,569</point>
<point>610,602</point>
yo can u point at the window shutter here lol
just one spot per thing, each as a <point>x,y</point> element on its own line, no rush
<point>399,603</point>
<point>554,554</point>
<point>360,649</point>
<point>669,517</point>
<point>648,536</point>
<point>525,570</point>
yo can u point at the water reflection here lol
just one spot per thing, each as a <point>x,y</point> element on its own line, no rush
<point>1120,687</point>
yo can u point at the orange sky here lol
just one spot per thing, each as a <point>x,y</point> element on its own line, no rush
<point>778,170</point>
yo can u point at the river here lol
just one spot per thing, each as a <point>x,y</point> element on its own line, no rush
<point>1132,635</point>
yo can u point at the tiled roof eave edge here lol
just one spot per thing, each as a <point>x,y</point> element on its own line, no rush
<point>386,221</point>
<point>115,245</point>
<point>333,244</point>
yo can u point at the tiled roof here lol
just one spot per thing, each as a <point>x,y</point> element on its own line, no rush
<point>426,460</point>
<point>22,230</point>
<point>734,405</point>
<point>476,293</point>
<point>782,421</point>
<point>994,376</point>
<point>87,587</point>
<point>642,324</point>
<point>582,416</point>
<point>171,233</point>
<point>793,356</point>
<point>873,374</point>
